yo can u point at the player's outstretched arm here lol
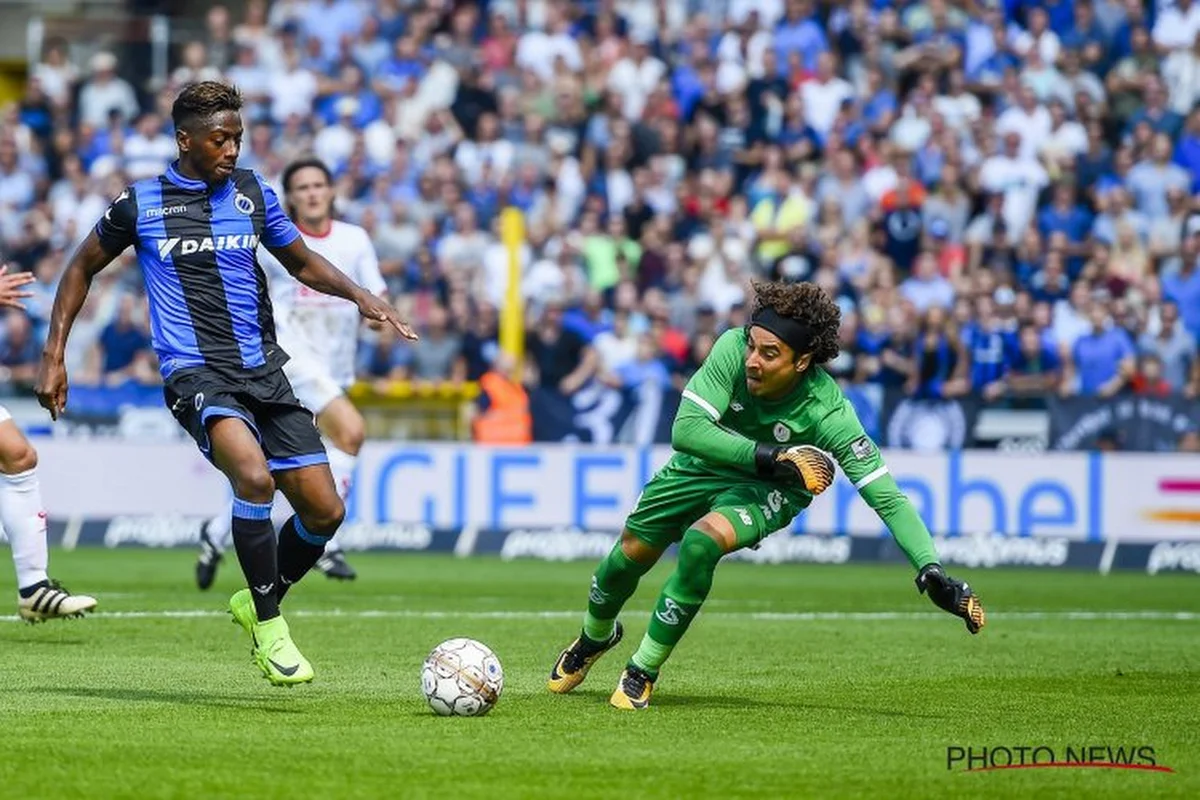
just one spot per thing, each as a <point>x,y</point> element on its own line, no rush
<point>910,533</point>
<point>314,271</point>
<point>89,259</point>
<point>843,436</point>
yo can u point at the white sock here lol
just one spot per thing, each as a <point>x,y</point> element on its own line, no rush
<point>220,528</point>
<point>25,523</point>
<point>341,464</point>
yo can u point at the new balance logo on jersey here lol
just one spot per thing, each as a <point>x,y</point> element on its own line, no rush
<point>671,612</point>
<point>177,245</point>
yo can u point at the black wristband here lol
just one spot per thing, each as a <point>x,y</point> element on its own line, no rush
<point>764,460</point>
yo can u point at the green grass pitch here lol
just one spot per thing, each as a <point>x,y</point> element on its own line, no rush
<point>791,683</point>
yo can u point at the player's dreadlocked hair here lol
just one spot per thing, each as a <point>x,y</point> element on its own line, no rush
<point>199,101</point>
<point>807,304</point>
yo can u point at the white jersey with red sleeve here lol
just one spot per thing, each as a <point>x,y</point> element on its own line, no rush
<point>314,328</point>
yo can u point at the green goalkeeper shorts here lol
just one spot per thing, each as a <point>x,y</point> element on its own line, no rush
<point>675,499</point>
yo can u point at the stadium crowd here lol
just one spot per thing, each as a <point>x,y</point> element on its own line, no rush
<point>1004,197</point>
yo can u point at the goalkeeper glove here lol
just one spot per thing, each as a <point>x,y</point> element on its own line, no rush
<point>951,595</point>
<point>804,463</point>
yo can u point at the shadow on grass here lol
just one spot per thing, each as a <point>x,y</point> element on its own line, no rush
<point>681,701</point>
<point>716,701</point>
<point>183,698</point>
<point>31,643</point>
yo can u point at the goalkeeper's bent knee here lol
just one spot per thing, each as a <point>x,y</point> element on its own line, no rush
<point>698,557</point>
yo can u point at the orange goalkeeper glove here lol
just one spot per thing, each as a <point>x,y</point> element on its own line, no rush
<point>804,463</point>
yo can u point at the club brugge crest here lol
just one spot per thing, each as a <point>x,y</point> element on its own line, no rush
<point>243,204</point>
<point>782,433</point>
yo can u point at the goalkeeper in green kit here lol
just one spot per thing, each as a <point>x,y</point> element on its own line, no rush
<point>751,437</point>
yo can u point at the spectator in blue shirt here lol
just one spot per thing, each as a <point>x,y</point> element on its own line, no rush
<point>19,350</point>
<point>1184,286</point>
<point>1086,36</point>
<point>369,107</point>
<point>329,20</point>
<point>1187,149</point>
<point>124,347</point>
<point>385,359</point>
<point>407,65</point>
<point>986,343</point>
<point>1102,361</point>
<point>988,73</point>
<point>799,32</point>
<point>1096,161</point>
<point>1155,111</point>
<point>1150,179</point>
<point>1033,368</point>
<point>1051,283</point>
<point>941,363</point>
<point>1066,215</point>
<point>1176,350</point>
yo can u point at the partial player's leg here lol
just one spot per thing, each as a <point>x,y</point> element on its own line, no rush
<point>298,465</point>
<point>344,430</point>
<point>297,458</point>
<point>215,534</point>
<point>614,581</point>
<point>237,453</point>
<point>665,506</point>
<point>24,517</point>
<point>214,411</point>
<point>319,513</point>
<point>742,516</point>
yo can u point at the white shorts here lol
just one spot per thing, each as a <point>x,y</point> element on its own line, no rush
<point>315,388</point>
<point>4,415</point>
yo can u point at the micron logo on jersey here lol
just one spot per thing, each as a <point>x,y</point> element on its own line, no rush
<point>165,211</point>
<point>244,241</point>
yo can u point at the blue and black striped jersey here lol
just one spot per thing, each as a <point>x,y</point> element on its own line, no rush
<point>196,245</point>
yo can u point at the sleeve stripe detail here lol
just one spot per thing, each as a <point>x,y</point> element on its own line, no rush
<point>874,476</point>
<point>700,401</point>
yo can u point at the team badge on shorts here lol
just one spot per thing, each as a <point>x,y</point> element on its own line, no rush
<point>782,432</point>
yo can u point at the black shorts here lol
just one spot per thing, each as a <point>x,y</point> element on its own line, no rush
<point>286,430</point>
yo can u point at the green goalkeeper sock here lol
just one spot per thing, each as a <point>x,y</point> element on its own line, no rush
<point>680,600</point>
<point>614,582</point>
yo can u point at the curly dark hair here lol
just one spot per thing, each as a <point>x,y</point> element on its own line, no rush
<point>199,101</point>
<point>809,305</point>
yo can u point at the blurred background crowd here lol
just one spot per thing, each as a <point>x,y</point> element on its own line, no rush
<point>1004,197</point>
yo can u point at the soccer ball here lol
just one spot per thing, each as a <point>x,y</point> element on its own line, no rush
<point>462,678</point>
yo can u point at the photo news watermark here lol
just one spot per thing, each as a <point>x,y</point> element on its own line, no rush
<point>989,758</point>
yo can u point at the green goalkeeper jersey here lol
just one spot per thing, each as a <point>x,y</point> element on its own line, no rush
<point>719,423</point>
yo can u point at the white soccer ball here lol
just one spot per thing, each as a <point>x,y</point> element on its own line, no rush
<point>462,678</point>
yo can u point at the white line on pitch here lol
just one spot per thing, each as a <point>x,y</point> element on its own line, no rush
<point>764,616</point>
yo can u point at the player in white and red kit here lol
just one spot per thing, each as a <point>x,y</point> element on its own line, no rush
<point>21,512</point>
<point>320,333</point>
